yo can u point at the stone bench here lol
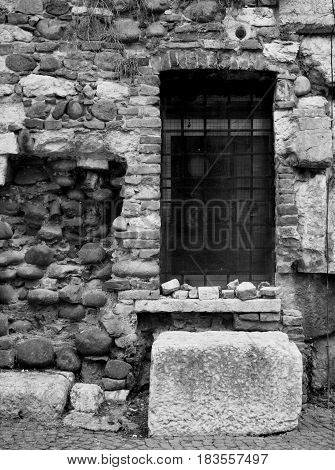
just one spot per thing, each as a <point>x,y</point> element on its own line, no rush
<point>235,383</point>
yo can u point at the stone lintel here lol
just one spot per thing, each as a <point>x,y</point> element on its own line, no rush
<point>168,305</point>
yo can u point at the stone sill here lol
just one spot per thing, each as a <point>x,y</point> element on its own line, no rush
<point>169,305</point>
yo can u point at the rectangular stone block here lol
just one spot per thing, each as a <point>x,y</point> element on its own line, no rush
<point>233,383</point>
<point>208,293</point>
<point>168,305</point>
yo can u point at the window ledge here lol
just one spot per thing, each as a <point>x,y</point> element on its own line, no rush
<point>169,305</point>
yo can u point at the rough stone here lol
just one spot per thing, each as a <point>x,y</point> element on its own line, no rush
<point>202,11</point>
<point>320,369</point>
<point>50,232</point>
<point>3,325</point>
<point>117,396</point>
<point>104,110</point>
<point>7,359</point>
<point>94,298</point>
<point>170,286</point>
<point>5,231</point>
<point>39,396</point>
<point>72,294</point>
<point>281,51</point>
<point>113,384</point>
<point>77,419</point>
<point>116,369</point>
<point>35,353</point>
<point>166,305</point>
<point>58,8</point>
<point>7,294</point>
<point>180,294</point>
<point>41,255</point>
<point>127,30</point>
<point>67,359</point>
<point>61,271</point>
<point>92,371</point>
<point>8,143</point>
<point>91,253</point>
<point>86,397</point>
<point>111,90</point>
<point>74,110</point>
<point>35,85</point>
<point>20,63</point>
<point>246,291</point>
<point>74,313</point>
<point>208,293</point>
<point>142,269</point>
<point>49,64</point>
<point>93,342</point>
<point>10,33</point>
<point>236,383</point>
<point>11,257</point>
<point>30,7</point>
<point>302,86</point>
<point>30,272</point>
<point>51,29</point>
<point>124,342</point>
<point>43,296</point>
<point>306,16</point>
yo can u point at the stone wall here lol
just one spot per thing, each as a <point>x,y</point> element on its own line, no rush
<point>80,136</point>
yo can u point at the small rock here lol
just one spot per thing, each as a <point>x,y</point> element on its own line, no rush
<point>209,293</point>
<point>113,384</point>
<point>76,195</point>
<point>104,110</point>
<point>302,86</point>
<point>76,419</point>
<point>94,298</point>
<point>246,291</point>
<point>86,397</point>
<point>59,110</point>
<point>155,30</point>
<point>3,325</point>
<point>91,253</point>
<point>20,63</point>
<point>38,110</point>
<point>228,294</point>
<point>58,8</point>
<point>103,194</point>
<point>72,294</point>
<point>74,313</point>
<point>116,369</point>
<point>117,396</point>
<point>170,286</point>
<point>34,214</point>
<point>92,371</point>
<point>67,359</point>
<point>61,271</point>
<point>120,224</point>
<point>37,352</point>
<point>50,232</point>
<point>93,342</point>
<point>7,294</point>
<point>51,29</point>
<point>180,294</point>
<point>40,255</point>
<point>43,296</point>
<point>193,293</point>
<point>233,284</point>
<point>11,257</point>
<point>74,110</point>
<point>202,11</point>
<point>269,291</point>
<point>7,275</point>
<point>49,63</point>
<point>124,342</point>
<point>30,272</point>
<point>127,30</point>
<point>7,359</point>
<point>30,7</point>
<point>5,231</point>
<point>21,326</point>
<point>105,272</point>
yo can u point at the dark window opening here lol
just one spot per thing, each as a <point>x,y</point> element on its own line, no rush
<point>217,184</point>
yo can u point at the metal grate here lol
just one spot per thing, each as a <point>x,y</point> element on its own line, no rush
<point>217,178</point>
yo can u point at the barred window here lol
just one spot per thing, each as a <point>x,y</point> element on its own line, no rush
<point>217,203</point>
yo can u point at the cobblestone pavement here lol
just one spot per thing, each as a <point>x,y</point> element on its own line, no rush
<point>316,431</point>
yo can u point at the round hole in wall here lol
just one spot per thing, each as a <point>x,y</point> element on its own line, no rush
<point>240,32</point>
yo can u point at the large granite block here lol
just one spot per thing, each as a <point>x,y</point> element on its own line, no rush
<point>235,383</point>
